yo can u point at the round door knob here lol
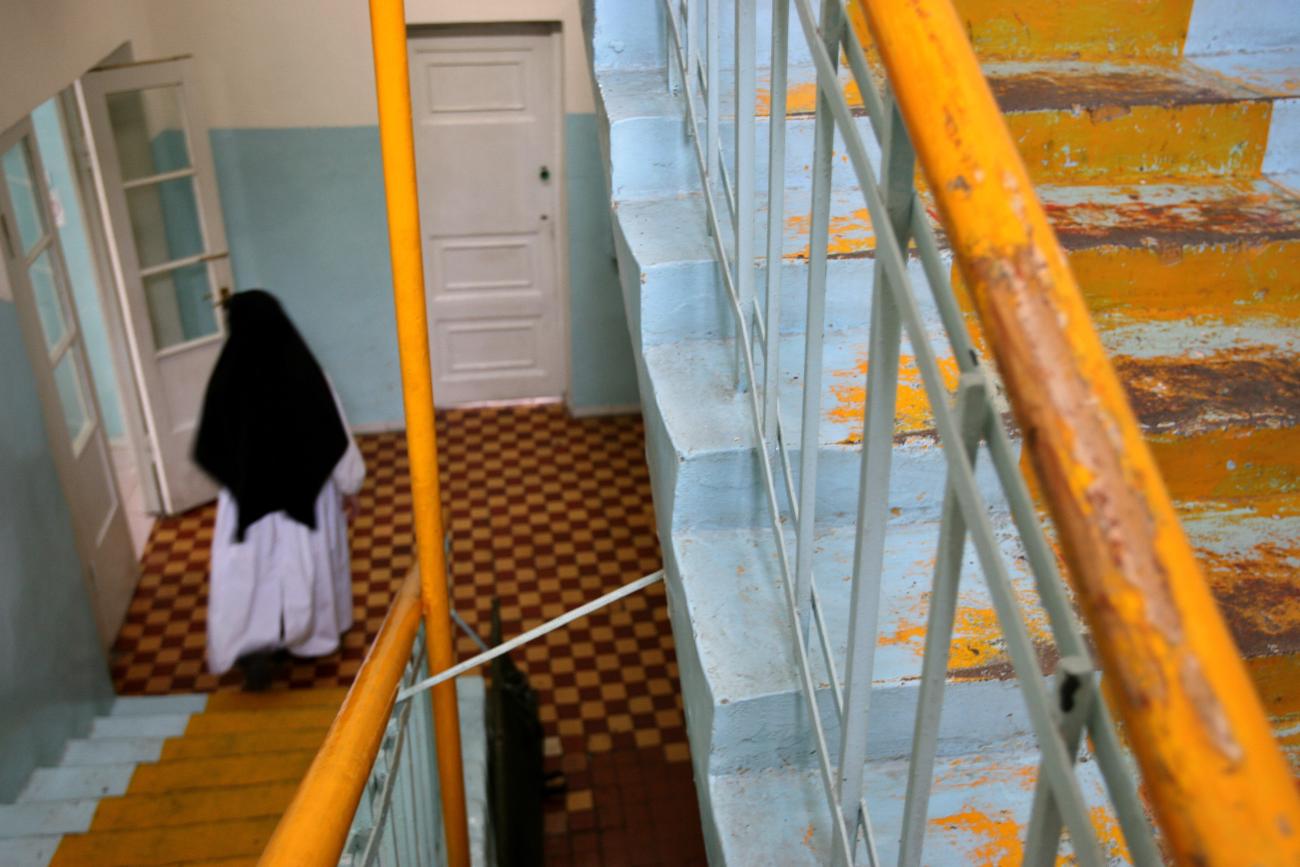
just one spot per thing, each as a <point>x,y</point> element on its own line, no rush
<point>544,174</point>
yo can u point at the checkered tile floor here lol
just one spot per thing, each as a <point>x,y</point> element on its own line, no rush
<point>545,511</point>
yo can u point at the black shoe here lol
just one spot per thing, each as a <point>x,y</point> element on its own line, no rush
<point>258,671</point>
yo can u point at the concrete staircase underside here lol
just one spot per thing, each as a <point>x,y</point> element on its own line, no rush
<point>1166,146</point>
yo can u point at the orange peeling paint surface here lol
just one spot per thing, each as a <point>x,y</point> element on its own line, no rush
<point>1228,283</point>
<point>1115,144</point>
<point>912,410</point>
<point>1077,30</point>
<point>1236,466</point>
<point>802,98</point>
<point>977,641</point>
<point>850,234</point>
<point>999,837</point>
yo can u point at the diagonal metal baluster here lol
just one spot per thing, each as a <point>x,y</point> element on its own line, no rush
<point>1076,685</point>
<point>746,96</point>
<point>877,455</point>
<point>674,71</point>
<point>971,410</point>
<point>775,215</point>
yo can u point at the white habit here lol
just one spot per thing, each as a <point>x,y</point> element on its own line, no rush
<point>286,585</point>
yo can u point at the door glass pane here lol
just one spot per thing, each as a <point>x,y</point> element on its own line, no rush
<point>67,379</point>
<point>48,306</point>
<point>165,221</point>
<point>20,180</point>
<point>149,131</point>
<point>180,305</point>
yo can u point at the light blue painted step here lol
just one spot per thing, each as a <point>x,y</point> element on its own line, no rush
<point>154,705</point>
<point>165,725</point>
<point>980,803</point>
<point>674,290</point>
<point>111,751</point>
<point>715,477</point>
<point>627,35</point>
<point>45,818</point>
<point>736,655</point>
<point>87,781</point>
<point>28,851</point>
<point>653,156</point>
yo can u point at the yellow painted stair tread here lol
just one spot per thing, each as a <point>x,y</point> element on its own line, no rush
<point>241,838</point>
<point>214,773</point>
<point>228,722</point>
<point>192,806</point>
<point>242,743</point>
<point>221,702</point>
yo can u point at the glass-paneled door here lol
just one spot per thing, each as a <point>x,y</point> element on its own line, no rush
<point>34,261</point>
<point>168,247</point>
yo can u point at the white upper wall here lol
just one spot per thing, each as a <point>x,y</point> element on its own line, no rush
<point>289,63</point>
<point>308,63</point>
<point>46,44</point>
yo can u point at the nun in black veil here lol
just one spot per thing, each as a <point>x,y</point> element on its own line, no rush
<point>273,435</point>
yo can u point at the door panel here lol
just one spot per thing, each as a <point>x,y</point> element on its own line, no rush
<point>486,115</point>
<point>34,261</point>
<point>169,248</point>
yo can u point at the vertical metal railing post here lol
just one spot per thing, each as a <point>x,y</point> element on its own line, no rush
<point>746,95</point>
<point>877,454</point>
<point>692,55</point>
<point>712,96</point>
<point>392,83</point>
<point>814,321</point>
<point>775,216</point>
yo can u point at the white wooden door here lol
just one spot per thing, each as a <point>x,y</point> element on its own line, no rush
<point>35,264</point>
<point>168,246</point>
<point>486,112</point>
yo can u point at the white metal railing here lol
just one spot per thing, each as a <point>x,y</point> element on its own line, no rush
<point>1059,716</point>
<point>394,822</point>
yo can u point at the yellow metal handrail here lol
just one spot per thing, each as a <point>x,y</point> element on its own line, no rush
<point>1220,788</point>
<point>314,828</point>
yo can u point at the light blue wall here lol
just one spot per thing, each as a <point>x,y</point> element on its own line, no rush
<point>602,370</point>
<point>81,268</point>
<point>53,676</point>
<point>304,211</point>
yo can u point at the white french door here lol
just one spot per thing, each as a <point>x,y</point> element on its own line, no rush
<point>168,248</point>
<point>37,271</point>
<point>486,115</point>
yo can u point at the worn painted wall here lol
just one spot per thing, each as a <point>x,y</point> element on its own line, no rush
<point>304,213</point>
<point>53,676</point>
<point>289,94</point>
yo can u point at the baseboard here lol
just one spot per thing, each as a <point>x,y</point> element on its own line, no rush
<point>379,427</point>
<point>605,409</point>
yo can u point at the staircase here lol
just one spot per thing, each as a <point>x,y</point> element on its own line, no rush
<point>183,779</point>
<point>1163,137</point>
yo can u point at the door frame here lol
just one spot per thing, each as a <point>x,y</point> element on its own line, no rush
<point>87,539</point>
<point>85,170</point>
<point>150,385</point>
<point>418,27</point>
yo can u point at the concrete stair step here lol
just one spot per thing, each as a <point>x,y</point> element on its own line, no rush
<point>241,838</point>
<point>736,655</point>
<point>154,705</point>
<point>978,810</point>
<point>99,781</point>
<point>715,477</point>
